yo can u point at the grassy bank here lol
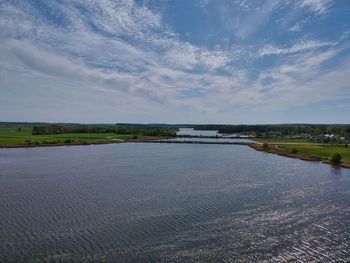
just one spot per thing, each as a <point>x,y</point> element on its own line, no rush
<point>12,137</point>
<point>310,152</point>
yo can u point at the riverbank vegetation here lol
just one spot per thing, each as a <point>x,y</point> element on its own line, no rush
<point>40,134</point>
<point>332,154</point>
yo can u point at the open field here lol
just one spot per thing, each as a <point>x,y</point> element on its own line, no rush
<point>11,136</point>
<point>322,152</point>
<point>309,152</point>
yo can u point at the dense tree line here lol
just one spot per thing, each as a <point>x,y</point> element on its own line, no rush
<point>170,129</point>
<point>142,130</point>
<point>291,129</point>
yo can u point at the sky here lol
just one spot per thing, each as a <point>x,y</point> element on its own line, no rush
<point>175,61</point>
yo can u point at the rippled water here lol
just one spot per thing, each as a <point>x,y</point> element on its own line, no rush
<point>170,203</point>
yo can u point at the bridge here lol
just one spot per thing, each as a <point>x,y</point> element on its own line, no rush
<point>194,142</point>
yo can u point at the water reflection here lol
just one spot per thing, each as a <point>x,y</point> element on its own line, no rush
<point>170,202</point>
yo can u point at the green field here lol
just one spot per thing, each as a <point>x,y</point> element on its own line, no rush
<point>281,140</point>
<point>322,152</point>
<point>11,136</point>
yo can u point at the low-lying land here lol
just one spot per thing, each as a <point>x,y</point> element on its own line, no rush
<point>310,151</point>
<point>23,137</point>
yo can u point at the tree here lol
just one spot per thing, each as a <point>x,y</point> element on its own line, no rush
<point>336,159</point>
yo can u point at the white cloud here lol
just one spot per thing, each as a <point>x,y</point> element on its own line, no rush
<point>295,28</point>
<point>317,6</point>
<point>301,46</point>
<point>258,17</point>
<point>187,56</point>
<point>299,81</point>
<point>121,56</point>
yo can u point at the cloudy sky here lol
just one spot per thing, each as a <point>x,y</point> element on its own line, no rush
<point>175,61</point>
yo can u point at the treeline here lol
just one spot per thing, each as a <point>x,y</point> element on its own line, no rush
<point>340,130</point>
<point>288,129</point>
<point>140,130</point>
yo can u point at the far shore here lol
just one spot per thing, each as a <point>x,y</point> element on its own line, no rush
<point>152,139</point>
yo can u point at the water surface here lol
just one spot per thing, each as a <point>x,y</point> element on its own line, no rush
<point>170,203</point>
<point>193,132</point>
<point>221,139</point>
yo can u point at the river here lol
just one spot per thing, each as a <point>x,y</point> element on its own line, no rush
<point>148,202</point>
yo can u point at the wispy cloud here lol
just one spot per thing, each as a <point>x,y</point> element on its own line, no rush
<point>295,28</point>
<point>301,46</point>
<point>318,6</point>
<point>124,58</point>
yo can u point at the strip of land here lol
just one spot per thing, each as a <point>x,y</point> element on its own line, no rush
<point>306,151</point>
<point>12,137</point>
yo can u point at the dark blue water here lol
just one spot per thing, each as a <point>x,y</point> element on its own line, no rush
<point>170,203</point>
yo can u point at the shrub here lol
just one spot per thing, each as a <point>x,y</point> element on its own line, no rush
<point>315,158</point>
<point>135,137</point>
<point>265,146</point>
<point>68,141</point>
<point>27,141</point>
<point>336,159</point>
<point>294,150</point>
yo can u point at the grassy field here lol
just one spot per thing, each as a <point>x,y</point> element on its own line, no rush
<point>309,152</point>
<point>11,136</point>
<point>322,152</point>
<point>281,140</point>
<point>304,149</point>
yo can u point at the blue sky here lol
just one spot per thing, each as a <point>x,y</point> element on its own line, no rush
<point>181,61</point>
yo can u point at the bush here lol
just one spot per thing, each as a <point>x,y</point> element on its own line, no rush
<point>316,158</point>
<point>336,159</point>
<point>68,141</point>
<point>294,150</point>
<point>265,146</point>
<point>346,145</point>
<point>27,141</point>
<point>135,137</point>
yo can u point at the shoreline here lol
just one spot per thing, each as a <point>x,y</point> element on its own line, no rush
<point>149,139</point>
<point>256,146</point>
<point>274,150</point>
